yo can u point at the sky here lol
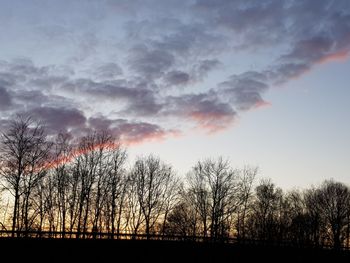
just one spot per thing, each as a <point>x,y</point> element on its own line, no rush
<point>261,83</point>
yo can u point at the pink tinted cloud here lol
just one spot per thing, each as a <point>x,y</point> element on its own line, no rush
<point>211,122</point>
<point>341,55</point>
<point>124,140</point>
<point>262,104</point>
<point>156,136</point>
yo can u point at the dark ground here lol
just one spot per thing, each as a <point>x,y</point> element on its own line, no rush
<point>72,250</point>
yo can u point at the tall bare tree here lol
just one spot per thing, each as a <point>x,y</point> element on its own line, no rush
<point>264,220</point>
<point>153,180</point>
<point>117,187</point>
<point>24,152</point>
<point>246,180</point>
<point>61,174</point>
<point>214,187</point>
<point>334,200</point>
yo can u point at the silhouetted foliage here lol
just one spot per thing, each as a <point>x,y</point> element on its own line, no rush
<point>81,188</point>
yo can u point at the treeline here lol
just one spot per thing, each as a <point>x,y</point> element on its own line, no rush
<point>83,186</point>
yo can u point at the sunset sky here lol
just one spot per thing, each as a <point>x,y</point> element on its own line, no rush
<point>258,82</point>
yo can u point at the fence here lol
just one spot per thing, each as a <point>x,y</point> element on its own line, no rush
<point>176,238</point>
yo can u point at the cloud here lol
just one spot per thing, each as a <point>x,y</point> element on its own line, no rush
<point>245,90</point>
<point>257,23</point>
<point>123,66</point>
<point>330,42</point>
<point>177,78</point>
<point>310,50</point>
<point>131,132</point>
<point>60,119</point>
<point>139,99</point>
<point>172,51</point>
<point>5,99</point>
<point>150,63</point>
<point>139,132</point>
<point>26,68</point>
<point>205,110</point>
<point>284,72</point>
<point>203,67</point>
<point>108,71</point>
<point>309,42</point>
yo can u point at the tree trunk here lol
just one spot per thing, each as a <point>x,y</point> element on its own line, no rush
<point>15,209</point>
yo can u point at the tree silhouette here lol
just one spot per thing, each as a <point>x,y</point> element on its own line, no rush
<point>24,151</point>
<point>334,202</point>
<point>154,180</point>
<point>215,190</point>
<point>81,188</point>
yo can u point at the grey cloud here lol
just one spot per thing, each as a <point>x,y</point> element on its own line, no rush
<point>329,42</point>
<point>22,71</point>
<point>26,67</point>
<point>100,123</point>
<point>59,119</point>
<point>317,32</point>
<point>177,78</point>
<point>206,110</point>
<point>309,50</point>
<point>177,50</point>
<point>8,79</point>
<point>284,72</point>
<point>203,67</point>
<point>130,132</point>
<point>31,98</point>
<point>244,90</point>
<point>48,83</point>
<point>169,45</point>
<point>140,101</point>
<point>190,40</point>
<point>5,99</point>
<point>108,71</point>
<point>150,63</point>
<point>136,132</point>
<point>27,90</point>
<point>4,124</point>
<point>260,22</point>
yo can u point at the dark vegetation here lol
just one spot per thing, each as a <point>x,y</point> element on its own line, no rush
<point>121,250</point>
<point>67,193</point>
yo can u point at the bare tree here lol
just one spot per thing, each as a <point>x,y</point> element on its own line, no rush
<point>24,152</point>
<point>133,211</point>
<point>117,187</point>
<point>334,199</point>
<point>214,187</point>
<point>90,168</point>
<point>153,180</point>
<point>198,193</point>
<point>295,218</point>
<point>246,179</point>
<point>314,221</point>
<point>61,174</point>
<point>183,218</point>
<point>264,220</point>
<point>181,221</point>
<point>171,198</point>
